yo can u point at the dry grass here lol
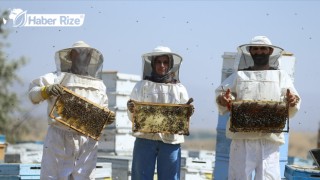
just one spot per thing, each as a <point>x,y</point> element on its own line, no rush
<point>301,142</point>
<point>200,145</point>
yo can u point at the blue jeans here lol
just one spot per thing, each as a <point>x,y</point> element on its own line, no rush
<point>147,152</point>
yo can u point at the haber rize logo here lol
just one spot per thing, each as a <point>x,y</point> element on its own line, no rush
<point>20,18</point>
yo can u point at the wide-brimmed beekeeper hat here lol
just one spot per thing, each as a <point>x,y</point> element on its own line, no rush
<point>95,60</point>
<point>245,59</point>
<point>148,60</point>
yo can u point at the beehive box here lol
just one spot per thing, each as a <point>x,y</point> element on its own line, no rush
<point>259,116</point>
<point>161,118</point>
<point>119,82</point>
<point>122,120</point>
<point>121,166</point>
<point>301,173</point>
<point>118,99</point>
<point>196,168</point>
<point>14,171</point>
<point>103,171</point>
<point>80,114</point>
<point>195,174</point>
<point>201,154</point>
<point>119,87</point>
<point>19,171</point>
<point>116,141</point>
<point>196,163</point>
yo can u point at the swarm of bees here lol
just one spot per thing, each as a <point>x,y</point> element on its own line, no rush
<point>80,114</point>
<point>259,116</point>
<point>161,118</point>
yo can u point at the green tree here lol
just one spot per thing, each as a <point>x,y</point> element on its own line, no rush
<point>9,101</point>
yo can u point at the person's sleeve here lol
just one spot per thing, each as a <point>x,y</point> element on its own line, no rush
<point>286,83</point>
<point>36,88</point>
<point>184,97</point>
<point>229,83</point>
<point>135,95</point>
<point>105,100</point>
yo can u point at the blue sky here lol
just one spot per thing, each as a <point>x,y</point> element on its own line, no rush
<point>200,31</point>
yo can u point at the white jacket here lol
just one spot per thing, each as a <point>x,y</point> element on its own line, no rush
<point>258,85</point>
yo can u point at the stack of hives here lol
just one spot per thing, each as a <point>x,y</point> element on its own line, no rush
<point>117,137</point>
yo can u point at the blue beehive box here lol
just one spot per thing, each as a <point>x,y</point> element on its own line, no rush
<point>301,173</point>
<point>19,171</point>
<point>2,139</point>
<point>15,171</point>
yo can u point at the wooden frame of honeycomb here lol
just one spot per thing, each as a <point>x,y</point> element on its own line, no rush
<point>80,114</point>
<point>259,116</point>
<point>161,118</point>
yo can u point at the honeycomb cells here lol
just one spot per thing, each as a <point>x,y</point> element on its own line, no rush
<point>258,116</point>
<point>153,118</point>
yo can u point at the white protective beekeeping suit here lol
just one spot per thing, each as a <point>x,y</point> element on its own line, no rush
<point>67,153</point>
<point>169,93</point>
<point>266,85</point>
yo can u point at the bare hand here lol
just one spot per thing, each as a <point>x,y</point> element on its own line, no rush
<point>225,99</point>
<point>292,98</point>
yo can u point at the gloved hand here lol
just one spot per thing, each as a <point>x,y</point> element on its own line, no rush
<point>111,118</point>
<point>54,90</point>
<point>130,106</point>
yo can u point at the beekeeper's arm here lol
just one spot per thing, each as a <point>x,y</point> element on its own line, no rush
<point>135,95</point>
<point>289,94</point>
<point>44,87</point>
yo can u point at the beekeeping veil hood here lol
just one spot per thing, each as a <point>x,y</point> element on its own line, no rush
<point>80,59</point>
<point>244,57</point>
<point>174,62</point>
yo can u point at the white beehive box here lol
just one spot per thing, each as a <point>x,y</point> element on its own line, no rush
<point>193,174</point>
<point>117,99</point>
<point>287,62</point>
<point>228,64</point>
<point>195,163</point>
<point>121,166</point>
<point>195,168</point>
<point>119,87</point>
<point>103,171</point>
<point>116,141</point>
<point>122,120</point>
<point>119,82</point>
<point>202,154</point>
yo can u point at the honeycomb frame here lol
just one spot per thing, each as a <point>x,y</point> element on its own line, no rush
<point>75,111</point>
<point>259,116</point>
<point>161,118</point>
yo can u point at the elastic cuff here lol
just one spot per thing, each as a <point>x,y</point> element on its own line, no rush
<point>44,93</point>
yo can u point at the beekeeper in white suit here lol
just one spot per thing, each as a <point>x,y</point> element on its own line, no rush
<point>68,154</point>
<point>257,78</point>
<point>160,84</point>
